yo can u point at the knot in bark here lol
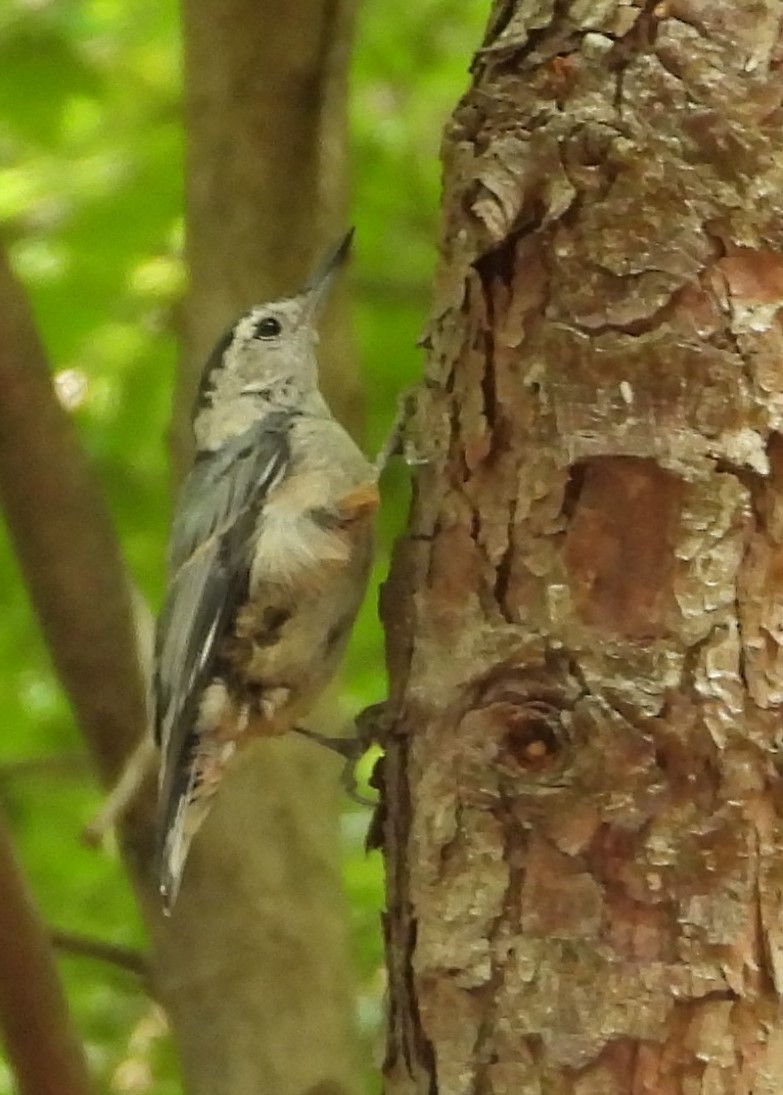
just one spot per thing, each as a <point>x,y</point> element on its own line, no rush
<point>528,720</point>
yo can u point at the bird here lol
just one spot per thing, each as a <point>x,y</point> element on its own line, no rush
<point>269,555</point>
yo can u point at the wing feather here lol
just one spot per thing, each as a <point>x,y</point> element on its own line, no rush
<point>209,557</point>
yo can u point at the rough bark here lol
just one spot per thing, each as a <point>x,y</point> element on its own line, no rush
<point>582,795</point>
<point>255,970</point>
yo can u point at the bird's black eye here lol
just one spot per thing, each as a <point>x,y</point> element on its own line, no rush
<point>268,327</point>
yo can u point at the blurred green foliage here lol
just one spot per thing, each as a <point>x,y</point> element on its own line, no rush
<point>90,203</point>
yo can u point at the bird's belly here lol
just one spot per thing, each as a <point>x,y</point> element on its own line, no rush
<point>293,549</point>
<point>287,644</point>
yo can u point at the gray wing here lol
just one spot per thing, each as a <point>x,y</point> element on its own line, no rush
<point>209,558</point>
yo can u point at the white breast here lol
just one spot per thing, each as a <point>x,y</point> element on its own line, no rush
<point>291,547</point>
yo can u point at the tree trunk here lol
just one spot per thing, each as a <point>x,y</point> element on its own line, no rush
<point>582,803</point>
<point>266,90</point>
<point>254,964</point>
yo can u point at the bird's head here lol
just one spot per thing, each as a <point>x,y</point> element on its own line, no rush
<point>268,356</point>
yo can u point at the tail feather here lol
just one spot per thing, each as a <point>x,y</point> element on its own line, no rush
<point>185,814</point>
<point>186,821</point>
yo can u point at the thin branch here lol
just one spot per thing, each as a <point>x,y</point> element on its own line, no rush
<point>141,765</point>
<point>50,764</point>
<point>124,958</point>
<point>42,1046</point>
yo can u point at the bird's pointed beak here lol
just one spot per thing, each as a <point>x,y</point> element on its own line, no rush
<point>319,283</point>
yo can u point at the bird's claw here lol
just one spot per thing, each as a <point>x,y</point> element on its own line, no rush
<point>351,748</point>
<point>400,440</point>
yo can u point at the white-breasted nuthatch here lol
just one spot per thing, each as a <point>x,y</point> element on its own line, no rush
<point>269,555</point>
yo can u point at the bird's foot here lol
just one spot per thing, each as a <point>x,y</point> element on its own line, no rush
<point>352,748</point>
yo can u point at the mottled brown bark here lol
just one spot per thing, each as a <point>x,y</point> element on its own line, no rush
<point>255,968</point>
<point>583,805</point>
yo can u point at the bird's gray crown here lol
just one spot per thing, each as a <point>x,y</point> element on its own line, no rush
<point>266,360</point>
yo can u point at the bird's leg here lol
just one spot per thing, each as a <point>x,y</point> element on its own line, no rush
<point>399,441</point>
<point>392,446</point>
<point>351,748</point>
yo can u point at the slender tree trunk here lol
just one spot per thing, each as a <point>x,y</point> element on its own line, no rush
<point>39,1038</point>
<point>254,965</point>
<point>582,798</point>
<point>266,90</point>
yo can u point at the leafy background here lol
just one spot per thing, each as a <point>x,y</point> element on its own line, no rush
<point>90,203</point>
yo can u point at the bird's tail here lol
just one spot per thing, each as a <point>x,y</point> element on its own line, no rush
<point>184,810</point>
<point>184,823</point>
